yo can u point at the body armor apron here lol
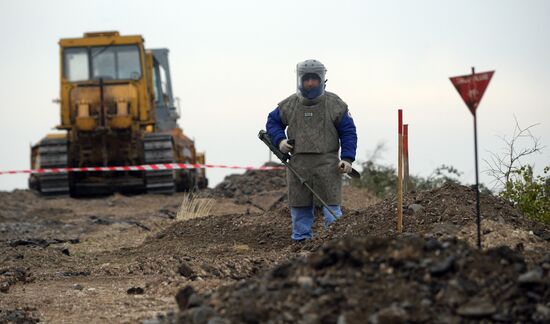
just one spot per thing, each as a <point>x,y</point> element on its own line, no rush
<point>315,156</point>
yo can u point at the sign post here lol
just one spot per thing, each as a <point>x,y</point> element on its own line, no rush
<point>471,88</point>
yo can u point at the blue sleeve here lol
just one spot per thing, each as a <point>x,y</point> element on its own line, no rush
<point>348,138</point>
<point>275,127</point>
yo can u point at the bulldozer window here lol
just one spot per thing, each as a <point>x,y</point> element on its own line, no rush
<point>76,64</point>
<point>116,62</point>
<point>107,62</point>
<point>128,63</point>
<point>103,63</point>
<point>159,80</point>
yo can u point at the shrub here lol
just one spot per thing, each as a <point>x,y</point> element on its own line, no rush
<point>529,193</point>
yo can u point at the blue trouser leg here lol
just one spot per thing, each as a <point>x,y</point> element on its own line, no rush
<point>329,219</point>
<point>302,220</point>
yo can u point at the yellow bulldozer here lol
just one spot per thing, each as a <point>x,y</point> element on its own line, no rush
<point>118,109</point>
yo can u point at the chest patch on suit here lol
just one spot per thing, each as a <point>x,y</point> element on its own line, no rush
<point>308,114</point>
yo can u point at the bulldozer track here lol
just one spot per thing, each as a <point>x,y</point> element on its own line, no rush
<point>53,154</point>
<point>158,148</point>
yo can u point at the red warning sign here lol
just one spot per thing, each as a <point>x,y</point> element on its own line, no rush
<point>471,88</point>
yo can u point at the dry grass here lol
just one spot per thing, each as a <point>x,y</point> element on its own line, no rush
<point>194,207</point>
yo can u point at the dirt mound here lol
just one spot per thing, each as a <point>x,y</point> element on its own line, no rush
<point>251,182</point>
<point>227,247</point>
<point>382,280</point>
<point>447,211</point>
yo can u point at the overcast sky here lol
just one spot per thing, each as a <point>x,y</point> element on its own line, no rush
<point>233,61</point>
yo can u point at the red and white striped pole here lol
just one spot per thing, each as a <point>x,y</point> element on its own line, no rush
<point>406,183</point>
<point>400,171</point>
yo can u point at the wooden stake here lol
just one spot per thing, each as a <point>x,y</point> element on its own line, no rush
<point>406,181</point>
<point>400,172</point>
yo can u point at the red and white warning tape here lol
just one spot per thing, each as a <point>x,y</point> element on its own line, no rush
<point>145,167</point>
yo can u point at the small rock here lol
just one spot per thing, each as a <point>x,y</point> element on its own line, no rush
<point>533,296</point>
<point>506,253</point>
<point>415,208</point>
<point>310,318</point>
<point>194,301</point>
<point>252,313</point>
<point>393,314</point>
<point>217,320</point>
<point>288,317</point>
<point>182,297</point>
<point>202,314</point>
<point>520,247</point>
<point>532,277</point>
<point>305,281</point>
<point>543,312</point>
<point>425,302</point>
<point>135,291</point>
<point>4,287</point>
<point>78,287</point>
<point>502,318</point>
<point>186,271</point>
<point>341,319</point>
<point>281,271</point>
<point>432,245</point>
<point>520,267</point>
<point>477,309</point>
<point>443,267</point>
<point>66,252</point>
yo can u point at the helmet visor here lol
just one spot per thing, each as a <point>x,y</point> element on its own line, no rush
<point>310,70</point>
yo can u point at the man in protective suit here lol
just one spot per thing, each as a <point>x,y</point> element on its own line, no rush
<point>320,125</point>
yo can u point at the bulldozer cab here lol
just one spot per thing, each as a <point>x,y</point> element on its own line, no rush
<point>102,73</point>
<point>104,55</point>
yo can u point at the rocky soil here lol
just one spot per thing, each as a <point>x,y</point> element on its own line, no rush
<point>380,280</point>
<point>129,259</point>
<point>360,270</point>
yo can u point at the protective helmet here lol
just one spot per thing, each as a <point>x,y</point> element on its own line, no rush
<point>308,68</point>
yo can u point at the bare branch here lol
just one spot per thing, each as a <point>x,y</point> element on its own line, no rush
<point>502,166</point>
